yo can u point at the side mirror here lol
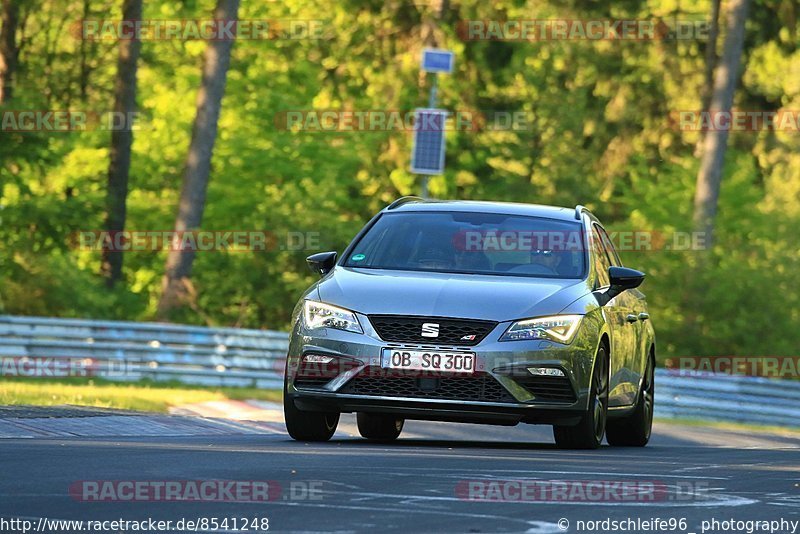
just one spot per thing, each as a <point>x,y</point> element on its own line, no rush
<point>623,279</point>
<point>322,262</point>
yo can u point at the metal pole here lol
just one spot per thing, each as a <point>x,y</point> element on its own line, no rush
<point>423,191</point>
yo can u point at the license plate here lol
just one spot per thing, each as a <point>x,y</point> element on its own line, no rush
<point>428,360</point>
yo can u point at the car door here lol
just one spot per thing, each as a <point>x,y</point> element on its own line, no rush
<point>623,330</point>
<point>633,310</point>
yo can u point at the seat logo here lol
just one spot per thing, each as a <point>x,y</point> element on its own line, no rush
<point>430,330</point>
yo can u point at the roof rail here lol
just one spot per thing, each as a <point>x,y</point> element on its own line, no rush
<point>404,200</point>
<point>579,209</point>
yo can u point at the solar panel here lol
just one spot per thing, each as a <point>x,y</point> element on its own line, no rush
<point>427,153</point>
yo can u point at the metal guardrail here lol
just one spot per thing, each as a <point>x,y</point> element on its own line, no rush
<point>131,351</point>
<point>239,357</point>
<point>736,399</point>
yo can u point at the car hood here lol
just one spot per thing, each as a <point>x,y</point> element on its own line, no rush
<point>497,298</point>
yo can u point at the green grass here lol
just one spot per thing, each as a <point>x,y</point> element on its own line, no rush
<point>143,396</point>
<point>736,427</point>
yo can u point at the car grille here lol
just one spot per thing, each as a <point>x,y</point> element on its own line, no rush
<point>548,388</point>
<point>479,387</point>
<point>406,329</point>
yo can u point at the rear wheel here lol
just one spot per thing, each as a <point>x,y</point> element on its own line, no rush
<point>588,433</point>
<point>308,426</point>
<point>379,427</point>
<point>634,430</point>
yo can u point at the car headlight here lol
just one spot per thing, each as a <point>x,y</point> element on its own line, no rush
<point>558,328</point>
<point>321,315</point>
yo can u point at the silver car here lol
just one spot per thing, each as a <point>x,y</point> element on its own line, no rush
<point>478,312</point>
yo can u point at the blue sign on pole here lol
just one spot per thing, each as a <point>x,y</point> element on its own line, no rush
<point>437,60</point>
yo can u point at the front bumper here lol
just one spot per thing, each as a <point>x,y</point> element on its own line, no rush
<point>438,410</point>
<point>503,362</point>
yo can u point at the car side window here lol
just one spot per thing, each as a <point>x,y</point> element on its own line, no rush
<point>601,258</point>
<point>609,246</point>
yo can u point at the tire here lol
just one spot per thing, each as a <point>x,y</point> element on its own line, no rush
<point>308,426</point>
<point>379,427</point>
<point>634,430</point>
<point>588,433</point>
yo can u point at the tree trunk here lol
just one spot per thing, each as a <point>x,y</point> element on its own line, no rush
<point>716,141</point>
<point>710,65</point>
<point>121,142</point>
<point>9,53</point>
<point>176,284</point>
<point>711,54</point>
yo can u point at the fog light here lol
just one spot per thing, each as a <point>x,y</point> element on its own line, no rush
<point>317,358</point>
<point>545,371</point>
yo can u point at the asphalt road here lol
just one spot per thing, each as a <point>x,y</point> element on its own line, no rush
<point>421,483</point>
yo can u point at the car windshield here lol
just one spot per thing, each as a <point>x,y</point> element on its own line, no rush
<point>472,243</point>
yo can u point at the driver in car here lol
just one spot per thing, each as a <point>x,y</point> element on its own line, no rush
<point>546,258</point>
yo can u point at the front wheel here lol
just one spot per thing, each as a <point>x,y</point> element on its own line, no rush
<point>634,430</point>
<point>588,433</point>
<point>379,427</point>
<point>308,426</point>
